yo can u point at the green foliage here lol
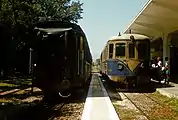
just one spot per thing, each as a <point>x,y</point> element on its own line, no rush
<point>19,15</point>
<point>27,12</point>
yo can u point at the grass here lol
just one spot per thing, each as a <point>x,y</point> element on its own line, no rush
<point>169,109</point>
<point>8,85</point>
<point>20,92</point>
<point>12,100</point>
<point>171,102</point>
<point>126,114</point>
<point>4,100</point>
<point>12,84</point>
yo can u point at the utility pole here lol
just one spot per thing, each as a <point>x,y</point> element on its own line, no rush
<point>30,62</point>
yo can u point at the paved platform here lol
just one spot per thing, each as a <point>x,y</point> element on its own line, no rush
<point>171,92</point>
<point>98,105</point>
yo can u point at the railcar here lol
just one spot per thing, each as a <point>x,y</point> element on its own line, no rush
<point>125,59</point>
<point>61,58</point>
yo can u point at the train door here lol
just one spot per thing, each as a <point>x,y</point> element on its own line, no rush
<point>174,64</point>
<point>143,50</point>
<point>132,60</point>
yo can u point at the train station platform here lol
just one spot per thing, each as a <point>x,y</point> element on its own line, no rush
<point>171,91</point>
<point>98,105</point>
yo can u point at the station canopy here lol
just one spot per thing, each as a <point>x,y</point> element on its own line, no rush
<point>157,17</point>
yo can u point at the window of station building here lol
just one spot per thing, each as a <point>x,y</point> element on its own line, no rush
<point>131,50</point>
<point>111,46</point>
<point>120,49</point>
<point>142,50</point>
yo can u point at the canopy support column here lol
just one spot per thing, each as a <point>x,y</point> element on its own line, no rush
<point>166,49</point>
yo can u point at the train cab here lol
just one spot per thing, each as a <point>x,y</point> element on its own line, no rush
<point>126,56</point>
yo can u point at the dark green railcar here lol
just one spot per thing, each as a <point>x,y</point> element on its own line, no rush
<point>62,58</point>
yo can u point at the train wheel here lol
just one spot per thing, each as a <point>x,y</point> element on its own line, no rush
<point>67,89</point>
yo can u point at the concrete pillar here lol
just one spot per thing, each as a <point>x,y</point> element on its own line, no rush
<point>166,48</point>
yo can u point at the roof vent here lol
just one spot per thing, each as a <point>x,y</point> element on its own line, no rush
<point>119,34</point>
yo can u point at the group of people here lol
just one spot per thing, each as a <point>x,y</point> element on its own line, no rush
<point>162,70</point>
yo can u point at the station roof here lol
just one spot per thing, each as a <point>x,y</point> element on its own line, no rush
<point>156,18</point>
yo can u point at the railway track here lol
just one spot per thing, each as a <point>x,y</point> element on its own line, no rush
<point>141,106</point>
<point>153,99</point>
<point>136,106</point>
<point>56,109</point>
<point>69,108</point>
<point>63,110</point>
<point>13,91</point>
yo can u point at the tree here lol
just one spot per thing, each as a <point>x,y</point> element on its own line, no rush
<point>19,15</point>
<point>26,12</point>
<point>63,10</point>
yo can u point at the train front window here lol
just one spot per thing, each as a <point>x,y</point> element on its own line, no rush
<point>120,49</point>
<point>131,50</point>
<point>142,51</point>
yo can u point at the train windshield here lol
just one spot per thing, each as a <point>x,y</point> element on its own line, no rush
<point>120,49</point>
<point>143,51</point>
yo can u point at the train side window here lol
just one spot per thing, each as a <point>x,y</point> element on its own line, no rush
<point>131,50</point>
<point>111,50</point>
<point>81,43</point>
<point>120,49</point>
<point>82,55</point>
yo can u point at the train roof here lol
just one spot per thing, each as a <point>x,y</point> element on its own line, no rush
<point>127,36</point>
<point>53,27</point>
<point>53,30</point>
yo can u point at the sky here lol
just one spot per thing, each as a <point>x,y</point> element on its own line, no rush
<point>103,19</point>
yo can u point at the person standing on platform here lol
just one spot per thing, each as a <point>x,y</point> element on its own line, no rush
<point>159,70</point>
<point>166,68</point>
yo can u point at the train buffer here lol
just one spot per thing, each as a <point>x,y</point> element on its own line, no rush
<point>98,105</point>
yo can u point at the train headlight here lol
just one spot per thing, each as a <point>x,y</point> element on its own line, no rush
<point>120,66</point>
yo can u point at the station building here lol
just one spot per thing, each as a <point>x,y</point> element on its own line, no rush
<point>158,19</point>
